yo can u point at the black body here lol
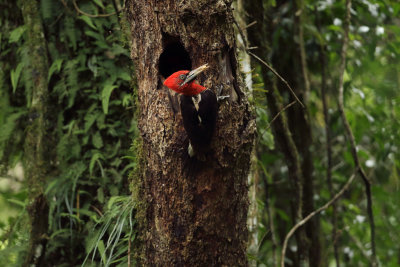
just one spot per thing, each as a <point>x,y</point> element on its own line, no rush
<point>199,123</point>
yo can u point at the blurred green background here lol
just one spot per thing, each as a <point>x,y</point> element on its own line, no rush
<point>91,128</point>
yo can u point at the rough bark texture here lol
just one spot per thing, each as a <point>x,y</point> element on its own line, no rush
<point>245,68</point>
<point>36,153</point>
<point>191,212</point>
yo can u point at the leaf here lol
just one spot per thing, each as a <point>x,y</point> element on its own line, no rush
<point>15,76</point>
<point>93,160</point>
<point>92,65</point>
<point>90,118</point>
<point>394,180</point>
<point>100,195</point>
<point>99,3</point>
<point>16,34</point>
<point>46,8</point>
<point>17,202</point>
<point>58,232</point>
<point>105,96</point>
<point>124,75</point>
<point>95,35</point>
<point>7,127</point>
<point>283,215</point>
<point>88,21</point>
<point>71,32</point>
<point>55,66</point>
<point>101,248</point>
<point>97,140</point>
<point>51,185</point>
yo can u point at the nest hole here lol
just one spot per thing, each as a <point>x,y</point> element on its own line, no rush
<point>173,58</point>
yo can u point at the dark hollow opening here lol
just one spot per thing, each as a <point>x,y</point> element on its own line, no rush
<point>174,58</point>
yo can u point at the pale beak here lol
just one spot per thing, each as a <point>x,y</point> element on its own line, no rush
<point>194,73</point>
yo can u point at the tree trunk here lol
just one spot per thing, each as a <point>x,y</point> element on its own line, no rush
<point>299,120</point>
<point>36,153</point>
<point>245,68</point>
<point>190,211</point>
<point>292,129</point>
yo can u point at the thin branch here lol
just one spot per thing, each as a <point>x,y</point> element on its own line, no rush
<point>247,49</point>
<point>349,132</point>
<point>90,15</point>
<point>65,4</point>
<point>97,210</point>
<point>279,113</point>
<point>56,20</point>
<point>250,24</point>
<point>312,214</point>
<point>277,75</point>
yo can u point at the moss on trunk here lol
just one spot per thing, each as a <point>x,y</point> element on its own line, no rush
<point>36,146</point>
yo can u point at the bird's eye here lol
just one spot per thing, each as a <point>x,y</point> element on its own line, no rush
<point>182,77</point>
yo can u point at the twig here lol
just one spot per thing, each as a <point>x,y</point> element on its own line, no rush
<point>90,15</point>
<point>247,49</point>
<point>97,210</point>
<point>250,24</point>
<point>56,20</point>
<point>349,132</point>
<point>262,239</point>
<point>277,75</point>
<point>312,214</point>
<point>65,4</point>
<point>279,113</point>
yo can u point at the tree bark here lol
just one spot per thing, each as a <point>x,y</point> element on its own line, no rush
<point>190,211</point>
<point>245,68</point>
<point>37,157</point>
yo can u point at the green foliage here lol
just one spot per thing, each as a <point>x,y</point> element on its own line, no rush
<point>372,108</point>
<point>118,224</point>
<point>90,122</point>
<point>15,76</point>
<point>91,125</point>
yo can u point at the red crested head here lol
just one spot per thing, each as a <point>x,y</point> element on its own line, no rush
<point>183,82</point>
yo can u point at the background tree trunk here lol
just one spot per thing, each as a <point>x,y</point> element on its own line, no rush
<point>37,157</point>
<point>292,130</point>
<point>190,212</point>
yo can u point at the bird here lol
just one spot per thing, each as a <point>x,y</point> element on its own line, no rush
<point>199,107</point>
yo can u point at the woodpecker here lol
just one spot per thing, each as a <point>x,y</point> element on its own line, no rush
<point>199,107</point>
